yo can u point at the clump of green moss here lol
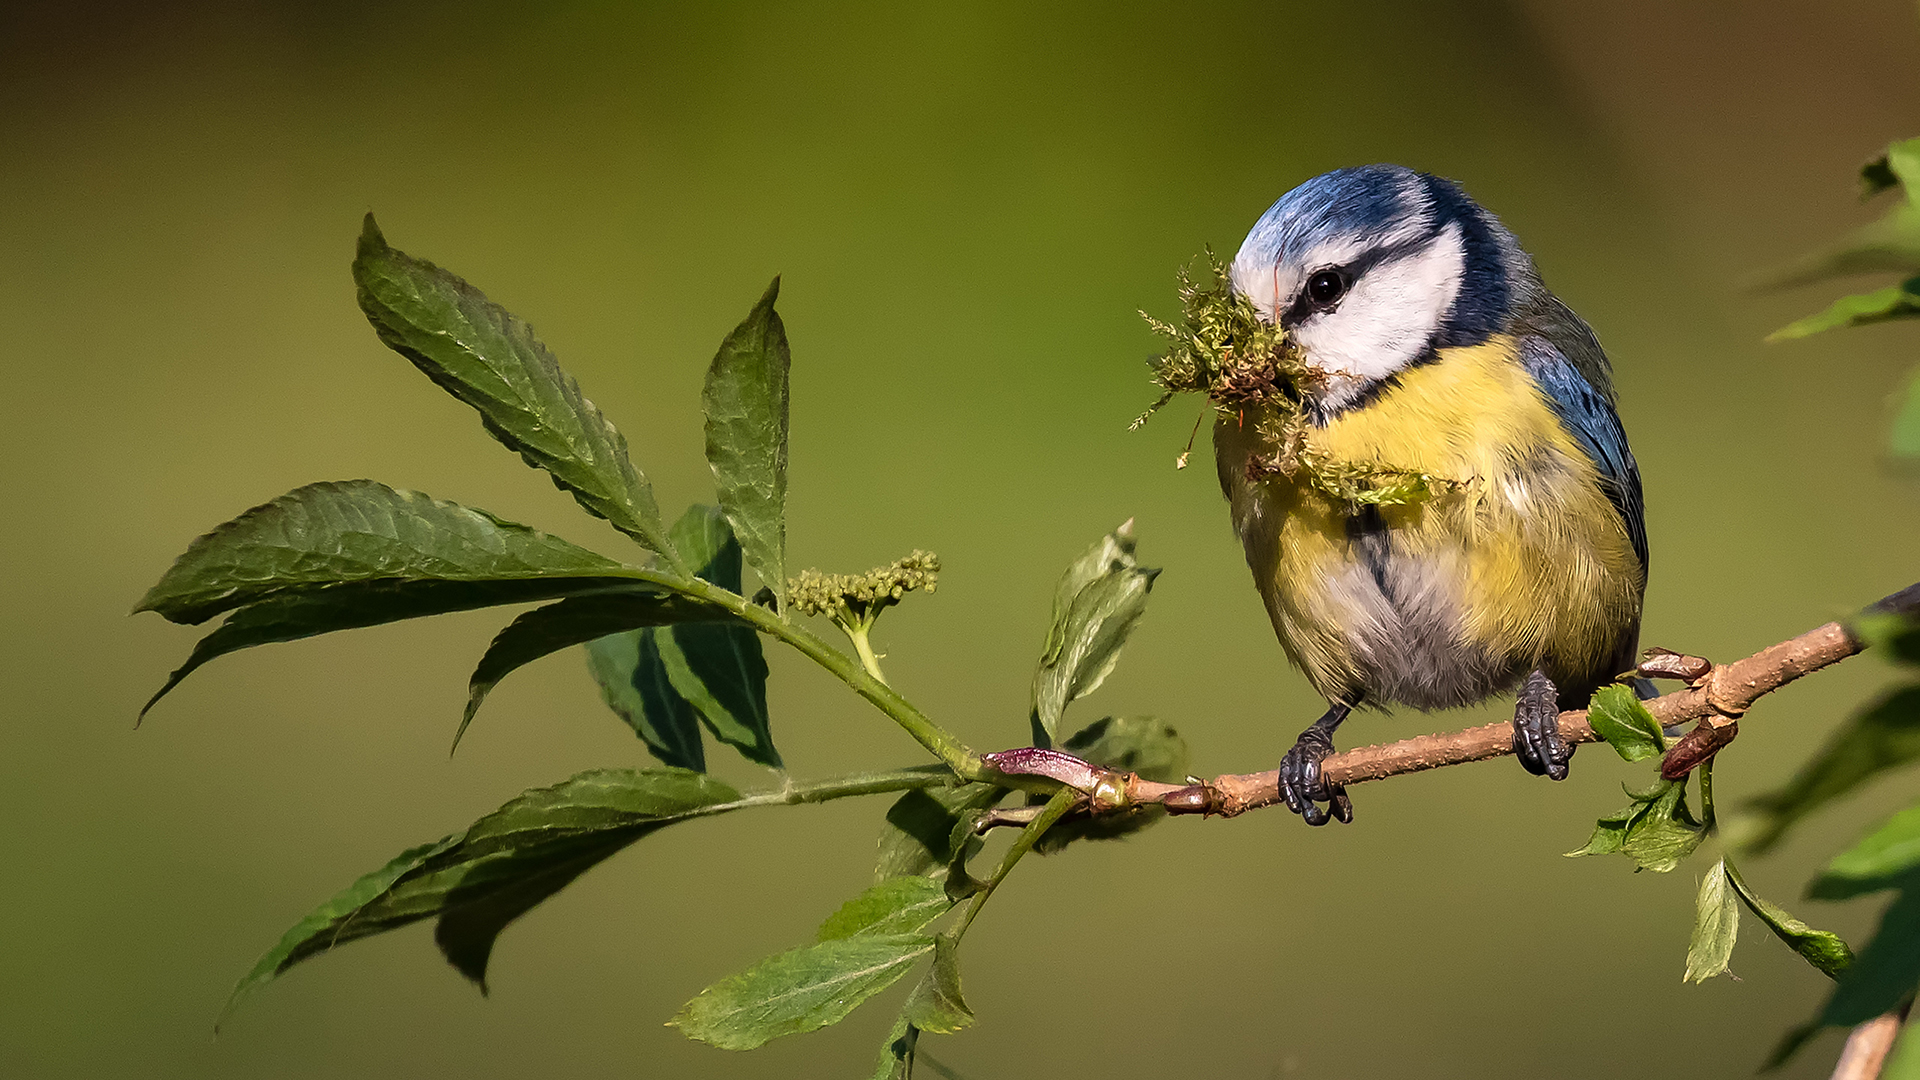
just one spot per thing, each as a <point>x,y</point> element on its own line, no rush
<point>1244,365</point>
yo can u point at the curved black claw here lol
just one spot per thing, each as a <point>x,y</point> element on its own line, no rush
<point>1301,784</point>
<point>1536,729</point>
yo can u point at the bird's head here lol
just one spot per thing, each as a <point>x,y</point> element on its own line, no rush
<point>1371,270</point>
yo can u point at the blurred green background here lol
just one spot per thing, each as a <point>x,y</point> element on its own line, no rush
<point>968,203</point>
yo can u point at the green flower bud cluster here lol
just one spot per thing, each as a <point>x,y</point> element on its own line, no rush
<point>857,599</point>
<point>1246,366</point>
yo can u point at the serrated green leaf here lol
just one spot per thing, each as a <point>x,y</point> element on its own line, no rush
<point>1097,604</point>
<point>1861,309</point>
<point>633,681</point>
<point>1618,716</point>
<point>1716,923</point>
<point>1884,737</point>
<point>294,616</point>
<point>719,668</point>
<point>936,1004</point>
<point>897,1053</point>
<point>746,405</point>
<point>480,880</point>
<point>1881,860</point>
<point>630,669</point>
<point>1137,744</point>
<point>799,990</point>
<point>1823,949</point>
<point>1655,830</point>
<point>576,621</point>
<point>1887,968</point>
<point>917,837</point>
<point>329,535</point>
<point>900,905</point>
<point>487,357</point>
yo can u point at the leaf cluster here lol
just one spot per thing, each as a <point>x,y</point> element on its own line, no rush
<point>674,645</point>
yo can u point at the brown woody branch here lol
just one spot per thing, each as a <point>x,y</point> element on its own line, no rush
<point>1715,699</point>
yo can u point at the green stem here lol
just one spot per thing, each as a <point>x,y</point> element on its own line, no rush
<point>1056,808</point>
<point>838,787</point>
<point>942,743</point>
<point>1706,793</point>
<point>864,649</point>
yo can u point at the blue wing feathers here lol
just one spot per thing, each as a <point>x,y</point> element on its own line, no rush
<point>1590,419</point>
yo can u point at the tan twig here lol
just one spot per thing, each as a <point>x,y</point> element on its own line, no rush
<point>1716,700</point>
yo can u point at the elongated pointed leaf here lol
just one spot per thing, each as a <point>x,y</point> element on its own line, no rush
<point>746,406</point>
<point>480,880</point>
<point>480,353</point>
<point>634,683</point>
<point>1617,715</point>
<point>576,621</point>
<point>355,532</point>
<point>1881,860</point>
<point>1097,604</point>
<point>1893,302</point>
<point>1884,737</point>
<point>1716,923</point>
<point>800,990</point>
<point>936,1004</point>
<point>917,837</point>
<point>292,616</point>
<point>722,671</point>
<point>719,668</point>
<point>1823,949</point>
<point>901,905</point>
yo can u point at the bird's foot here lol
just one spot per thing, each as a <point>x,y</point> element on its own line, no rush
<point>1302,786</point>
<point>1536,729</point>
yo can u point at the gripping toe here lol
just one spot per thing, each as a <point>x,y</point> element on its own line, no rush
<point>1536,729</point>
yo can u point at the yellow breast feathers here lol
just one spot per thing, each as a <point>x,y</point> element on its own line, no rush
<point>1517,560</point>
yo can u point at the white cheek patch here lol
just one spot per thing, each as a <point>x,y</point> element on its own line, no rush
<point>1390,313</point>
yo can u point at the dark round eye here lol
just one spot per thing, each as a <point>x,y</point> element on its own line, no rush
<point>1326,287</point>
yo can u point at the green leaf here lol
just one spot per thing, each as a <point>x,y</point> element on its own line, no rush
<point>1900,301</point>
<point>1096,606</point>
<point>900,905</point>
<point>576,621</point>
<point>478,881</point>
<point>632,667</point>
<point>896,1055</point>
<point>1821,948</point>
<point>917,838</point>
<point>719,668</point>
<point>480,353</point>
<point>936,1004</point>
<point>324,536</point>
<point>1887,968</point>
<point>800,990</point>
<point>1716,922</point>
<point>746,405</point>
<point>1884,737</point>
<point>1619,718</point>
<point>633,680</point>
<point>1881,860</point>
<point>1136,744</point>
<point>293,616</point>
<point>1656,830</point>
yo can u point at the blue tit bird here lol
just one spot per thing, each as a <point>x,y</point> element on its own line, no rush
<point>1437,349</point>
